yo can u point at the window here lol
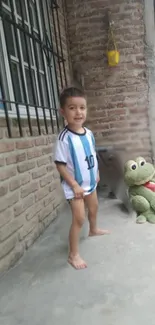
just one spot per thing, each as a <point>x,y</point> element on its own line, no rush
<point>30,58</point>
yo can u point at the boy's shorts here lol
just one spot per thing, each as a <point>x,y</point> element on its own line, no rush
<point>69,200</point>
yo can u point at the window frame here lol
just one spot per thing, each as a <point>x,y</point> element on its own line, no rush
<point>22,107</point>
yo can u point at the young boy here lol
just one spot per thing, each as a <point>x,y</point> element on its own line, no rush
<point>76,161</point>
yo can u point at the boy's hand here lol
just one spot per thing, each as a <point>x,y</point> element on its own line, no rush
<point>78,191</point>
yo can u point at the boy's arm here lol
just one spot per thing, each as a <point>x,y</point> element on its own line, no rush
<point>98,176</point>
<point>65,175</point>
<point>61,153</point>
<point>94,144</point>
<point>60,159</point>
<point>77,189</point>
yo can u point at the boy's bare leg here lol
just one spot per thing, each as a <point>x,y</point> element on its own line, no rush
<point>92,204</point>
<point>78,217</point>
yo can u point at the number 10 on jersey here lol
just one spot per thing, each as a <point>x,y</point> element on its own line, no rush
<point>90,161</point>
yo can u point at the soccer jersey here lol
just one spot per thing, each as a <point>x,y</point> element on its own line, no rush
<point>77,152</point>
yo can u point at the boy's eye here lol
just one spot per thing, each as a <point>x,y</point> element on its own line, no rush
<point>82,107</point>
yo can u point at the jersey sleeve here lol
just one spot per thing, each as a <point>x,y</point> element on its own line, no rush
<point>93,141</point>
<point>61,152</point>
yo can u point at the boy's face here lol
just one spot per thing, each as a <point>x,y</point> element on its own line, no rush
<point>75,111</point>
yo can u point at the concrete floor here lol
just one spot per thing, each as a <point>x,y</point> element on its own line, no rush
<point>118,288</point>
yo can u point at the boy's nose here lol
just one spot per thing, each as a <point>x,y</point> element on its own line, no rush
<point>78,111</point>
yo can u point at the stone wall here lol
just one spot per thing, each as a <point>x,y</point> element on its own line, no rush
<point>117,97</point>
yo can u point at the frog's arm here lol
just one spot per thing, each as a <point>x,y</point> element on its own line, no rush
<point>145,193</point>
<point>139,203</point>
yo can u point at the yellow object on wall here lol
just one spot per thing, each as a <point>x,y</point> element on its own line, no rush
<point>113,55</point>
<point>113,58</point>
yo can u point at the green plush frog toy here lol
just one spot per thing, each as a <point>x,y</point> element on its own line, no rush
<point>139,177</point>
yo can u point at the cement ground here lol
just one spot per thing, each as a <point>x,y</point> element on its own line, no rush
<point>117,288</point>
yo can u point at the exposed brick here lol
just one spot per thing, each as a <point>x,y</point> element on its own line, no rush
<point>10,259</point>
<point>42,193</point>
<point>28,189</point>
<point>40,141</point>
<point>36,152</point>
<point>55,185</point>
<point>13,159</point>
<point>3,189</point>
<point>29,240</point>
<point>24,144</point>
<point>7,246</point>
<point>1,133</point>
<point>47,220</point>
<point>7,173</point>
<point>50,168</point>
<point>17,182</point>
<point>14,184</point>
<point>2,161</point>
<point>28,165</point>
<point>43,161</point>
<point>19,217</point>
<point>119,124</point>
<point>25,179</point>
<point>46,151</point>
<point>56,174</point>
<point>8,201</point>
<point>27,228</point>
<point>57,200</point>
<point>23,205</point>
<point>123,88</point>
<point>33,211</point>
<point>46,212</point>
<point>39,173</point>
<point>5,217</point>
<point>97,112</point>
<point>48,200</point>
<point>61,207</point>
<point>46,180</point>
<point>116,112</point>
<point>10,229</point>
<point>52,139</point>
<point>18,209</point>
<point>6,146</point>
<point>12,199</point>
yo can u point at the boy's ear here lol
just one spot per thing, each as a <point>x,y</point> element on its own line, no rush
<point>61,111</point>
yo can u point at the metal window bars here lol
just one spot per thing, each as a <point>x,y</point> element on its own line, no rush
<point>43,38</point>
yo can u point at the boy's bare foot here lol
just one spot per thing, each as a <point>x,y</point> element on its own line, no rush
<point>99,232</point>
<point>77,262</point>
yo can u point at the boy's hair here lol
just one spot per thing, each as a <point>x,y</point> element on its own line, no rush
<point>70,92</point>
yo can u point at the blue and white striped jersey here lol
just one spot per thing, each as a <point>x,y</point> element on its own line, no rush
<point>77,152</point>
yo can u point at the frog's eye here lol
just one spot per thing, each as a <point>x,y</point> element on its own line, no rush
<point>131,165</point>
<point>141,161</point>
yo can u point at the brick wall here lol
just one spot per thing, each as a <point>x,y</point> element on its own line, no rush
<point>30,192</point>
<point>64,42</point>
<point>117,97</point>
